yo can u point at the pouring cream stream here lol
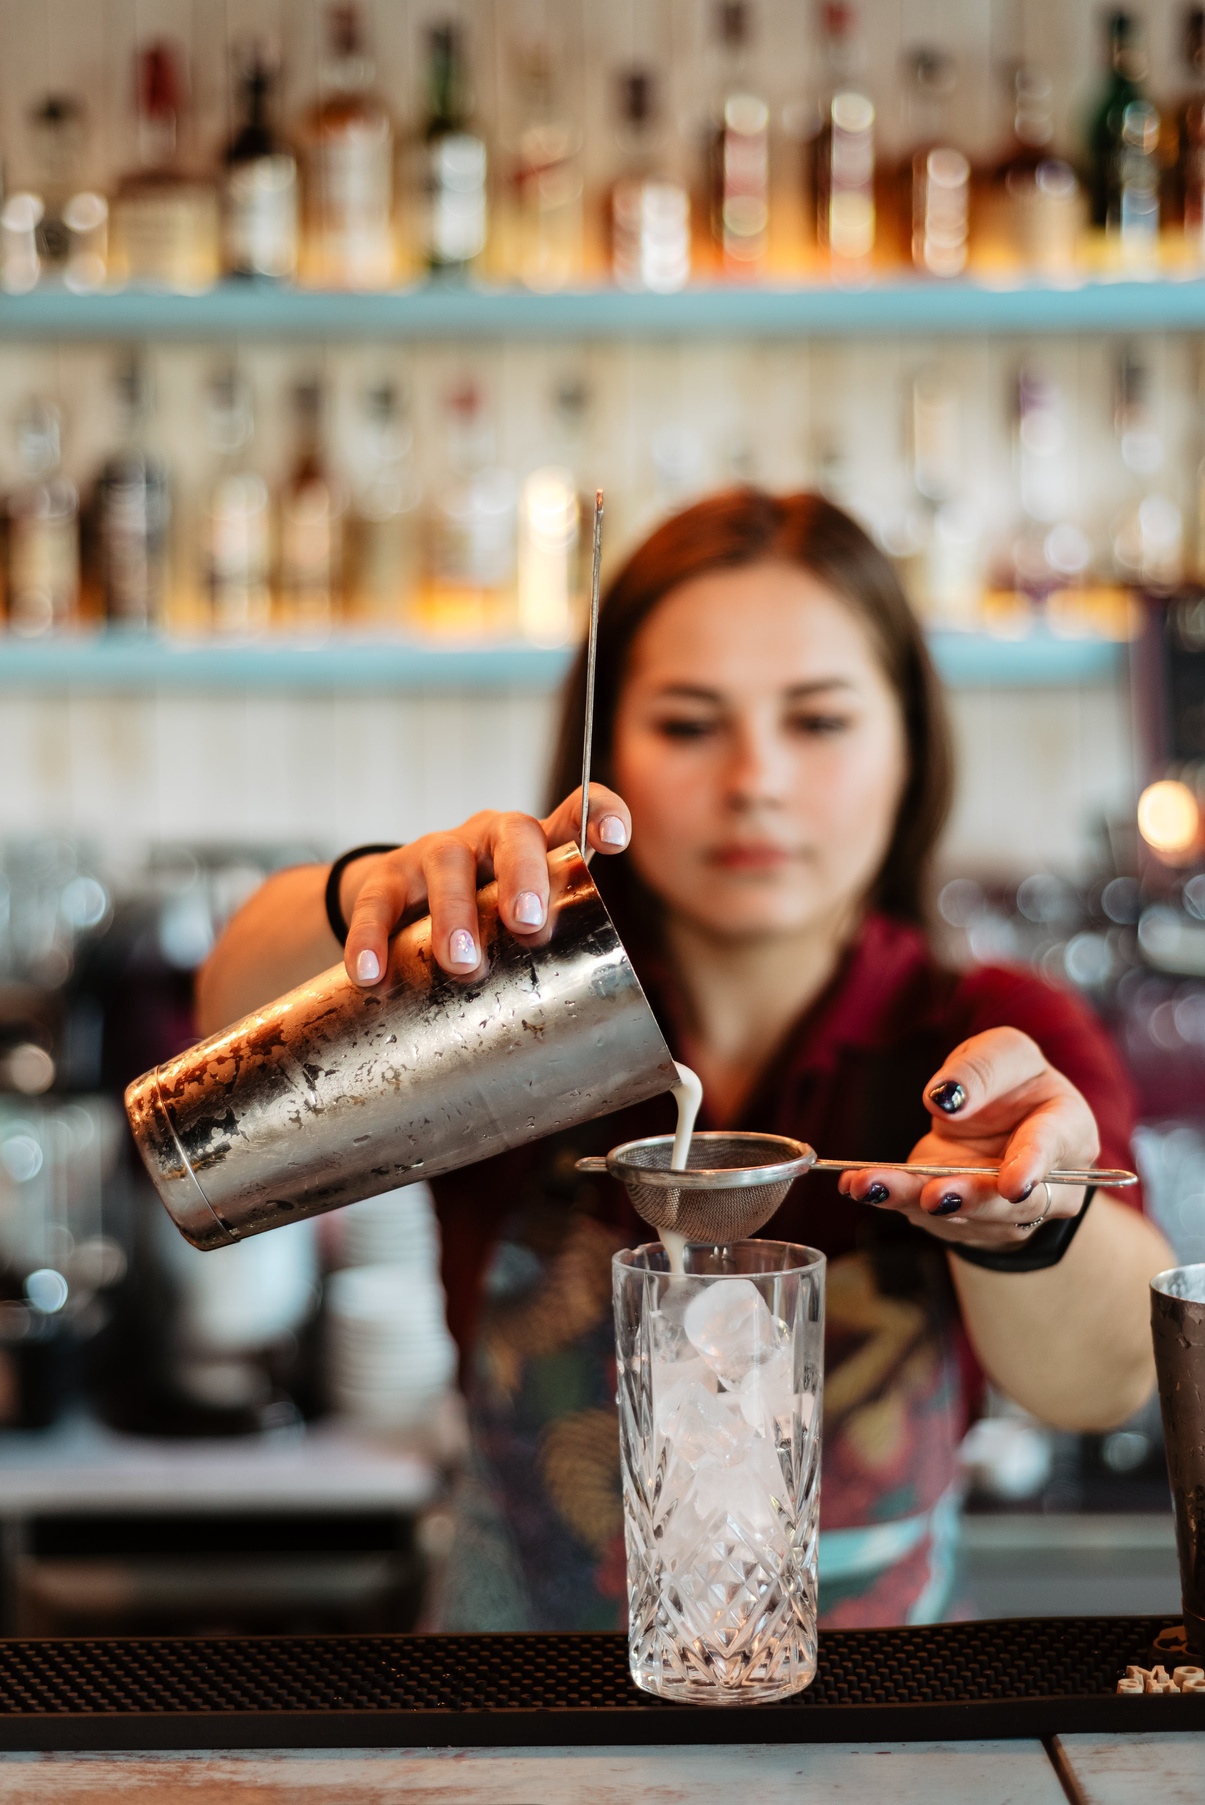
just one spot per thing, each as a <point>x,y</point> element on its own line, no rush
<point>688,1094</point>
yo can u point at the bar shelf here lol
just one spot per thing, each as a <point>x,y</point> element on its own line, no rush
<point>894,305</point>
<point>116,663</point>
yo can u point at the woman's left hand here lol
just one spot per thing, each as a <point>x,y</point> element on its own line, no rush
<point>995,1102</point>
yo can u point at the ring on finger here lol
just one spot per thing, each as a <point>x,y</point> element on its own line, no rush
<point>1038,1220</point>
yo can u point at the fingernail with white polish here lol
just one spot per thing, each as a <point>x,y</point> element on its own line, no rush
<point>368,967</point>
<point>462,949</point>
<point>612,832</point>
<point>529,910</point>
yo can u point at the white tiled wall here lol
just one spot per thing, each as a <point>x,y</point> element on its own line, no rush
<point>324,770</point>
<point>1039,769</point>
<point>1039,773</point>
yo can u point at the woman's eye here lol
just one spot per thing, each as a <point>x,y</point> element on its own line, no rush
<point>685,729</point>
<point>819,725</point>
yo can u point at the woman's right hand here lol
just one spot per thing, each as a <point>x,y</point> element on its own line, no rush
<point>441,873</point>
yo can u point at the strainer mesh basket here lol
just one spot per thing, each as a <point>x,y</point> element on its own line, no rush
<point>732,1183</point>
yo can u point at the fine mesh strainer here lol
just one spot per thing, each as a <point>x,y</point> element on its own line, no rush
<point>733,1183</point>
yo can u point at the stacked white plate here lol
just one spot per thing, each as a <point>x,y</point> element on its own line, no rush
<point>391,1356</point>
<point>396,1229</point>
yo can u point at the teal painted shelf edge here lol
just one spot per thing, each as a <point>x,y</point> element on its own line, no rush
<point>435,310</point>
<point>111,663</point>
<point>1040,661</point>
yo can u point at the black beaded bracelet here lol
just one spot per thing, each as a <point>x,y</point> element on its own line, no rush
<point>334,909</point>
<point>1045,1247</point>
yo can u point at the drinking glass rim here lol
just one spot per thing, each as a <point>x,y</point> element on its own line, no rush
<point>625,1260</point>
<point>1163,1289</point>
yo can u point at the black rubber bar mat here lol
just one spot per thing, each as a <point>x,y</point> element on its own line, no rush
<point>1025,1677</point>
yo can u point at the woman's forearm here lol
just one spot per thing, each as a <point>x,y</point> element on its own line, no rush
<point>1072,1344</point>
<point>278,939</point>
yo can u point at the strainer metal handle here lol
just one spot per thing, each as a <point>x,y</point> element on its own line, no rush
<point>1093,1175</point>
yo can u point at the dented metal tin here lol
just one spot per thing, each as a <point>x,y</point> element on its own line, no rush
<point>332,1093</point>
<point>1178,1331</point>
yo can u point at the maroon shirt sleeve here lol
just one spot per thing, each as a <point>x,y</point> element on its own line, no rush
<point>1074,1042</point>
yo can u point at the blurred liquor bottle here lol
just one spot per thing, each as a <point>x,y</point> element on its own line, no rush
<point>260,200</point>
<point>738,149</point>
<point>132,508</point>
<point>570,448</point>
<point>166,221</point>
<point>540,216</point>
<point>72,234</point>
<point>471,567</point>
<point>386,538</point>
<point>842,152</point>
<point>348,144</point>
<point>1123,147</point>
<point>1190,134</point>
<point>1196,558</point>
<point>313,509</point>
<point>650,213</point>
<point>549,527</point>
<point>1038,190</point>
<point>236,535</point>
<point>452,177</point>
<point>947,562</point>
<point>935,193</point>
<point>20,220</point>
<point>43,562</point>
<point>1049,550</point>
<point>1148,529</point>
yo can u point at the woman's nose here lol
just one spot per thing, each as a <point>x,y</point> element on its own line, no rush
<point>758,772</point>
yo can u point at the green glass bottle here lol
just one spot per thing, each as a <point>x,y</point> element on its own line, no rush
<point>1124,141</point>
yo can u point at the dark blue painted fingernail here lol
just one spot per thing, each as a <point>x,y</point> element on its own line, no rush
<point>949,1096</point>
<point>1026,1193</point>
<point>949,1205</point>
<point>875,1193</point>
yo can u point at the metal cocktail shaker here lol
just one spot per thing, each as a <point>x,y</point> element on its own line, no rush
<point>1178,1327</point>
<point>333,1093</point>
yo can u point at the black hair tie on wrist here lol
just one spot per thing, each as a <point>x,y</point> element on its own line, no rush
<point>1044,1248</point>
<point>334,909</point>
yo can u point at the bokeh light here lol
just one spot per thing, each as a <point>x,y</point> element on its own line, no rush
<point>1169,818</point>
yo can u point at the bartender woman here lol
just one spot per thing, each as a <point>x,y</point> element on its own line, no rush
<point>775,774</point>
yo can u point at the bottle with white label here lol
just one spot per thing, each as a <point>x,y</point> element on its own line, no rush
<point>260,200</point>
<point>650,212</point>
<point>843,158</point>
<point>166,219</point>
<point>43,574</point>
<point>738,147</point>
<point>452,202</point>
<point>349,153</point>
<point>133,508</point>
<point>385,528</point>
<point>472,522</point>
<point>313,511</point>
<point>549,525</point>
<point>537,224</point>
<point>236,534</point>
<point>938,177</point>
<point>71,237</point>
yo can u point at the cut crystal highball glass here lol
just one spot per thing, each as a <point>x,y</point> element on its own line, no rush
<point>719,1390</point>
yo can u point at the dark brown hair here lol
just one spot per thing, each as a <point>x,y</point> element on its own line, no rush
<point>747,526</point>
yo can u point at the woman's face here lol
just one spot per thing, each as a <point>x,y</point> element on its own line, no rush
<point>761,751</point>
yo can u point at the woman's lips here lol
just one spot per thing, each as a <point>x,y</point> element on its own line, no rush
<point>750,856</point>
